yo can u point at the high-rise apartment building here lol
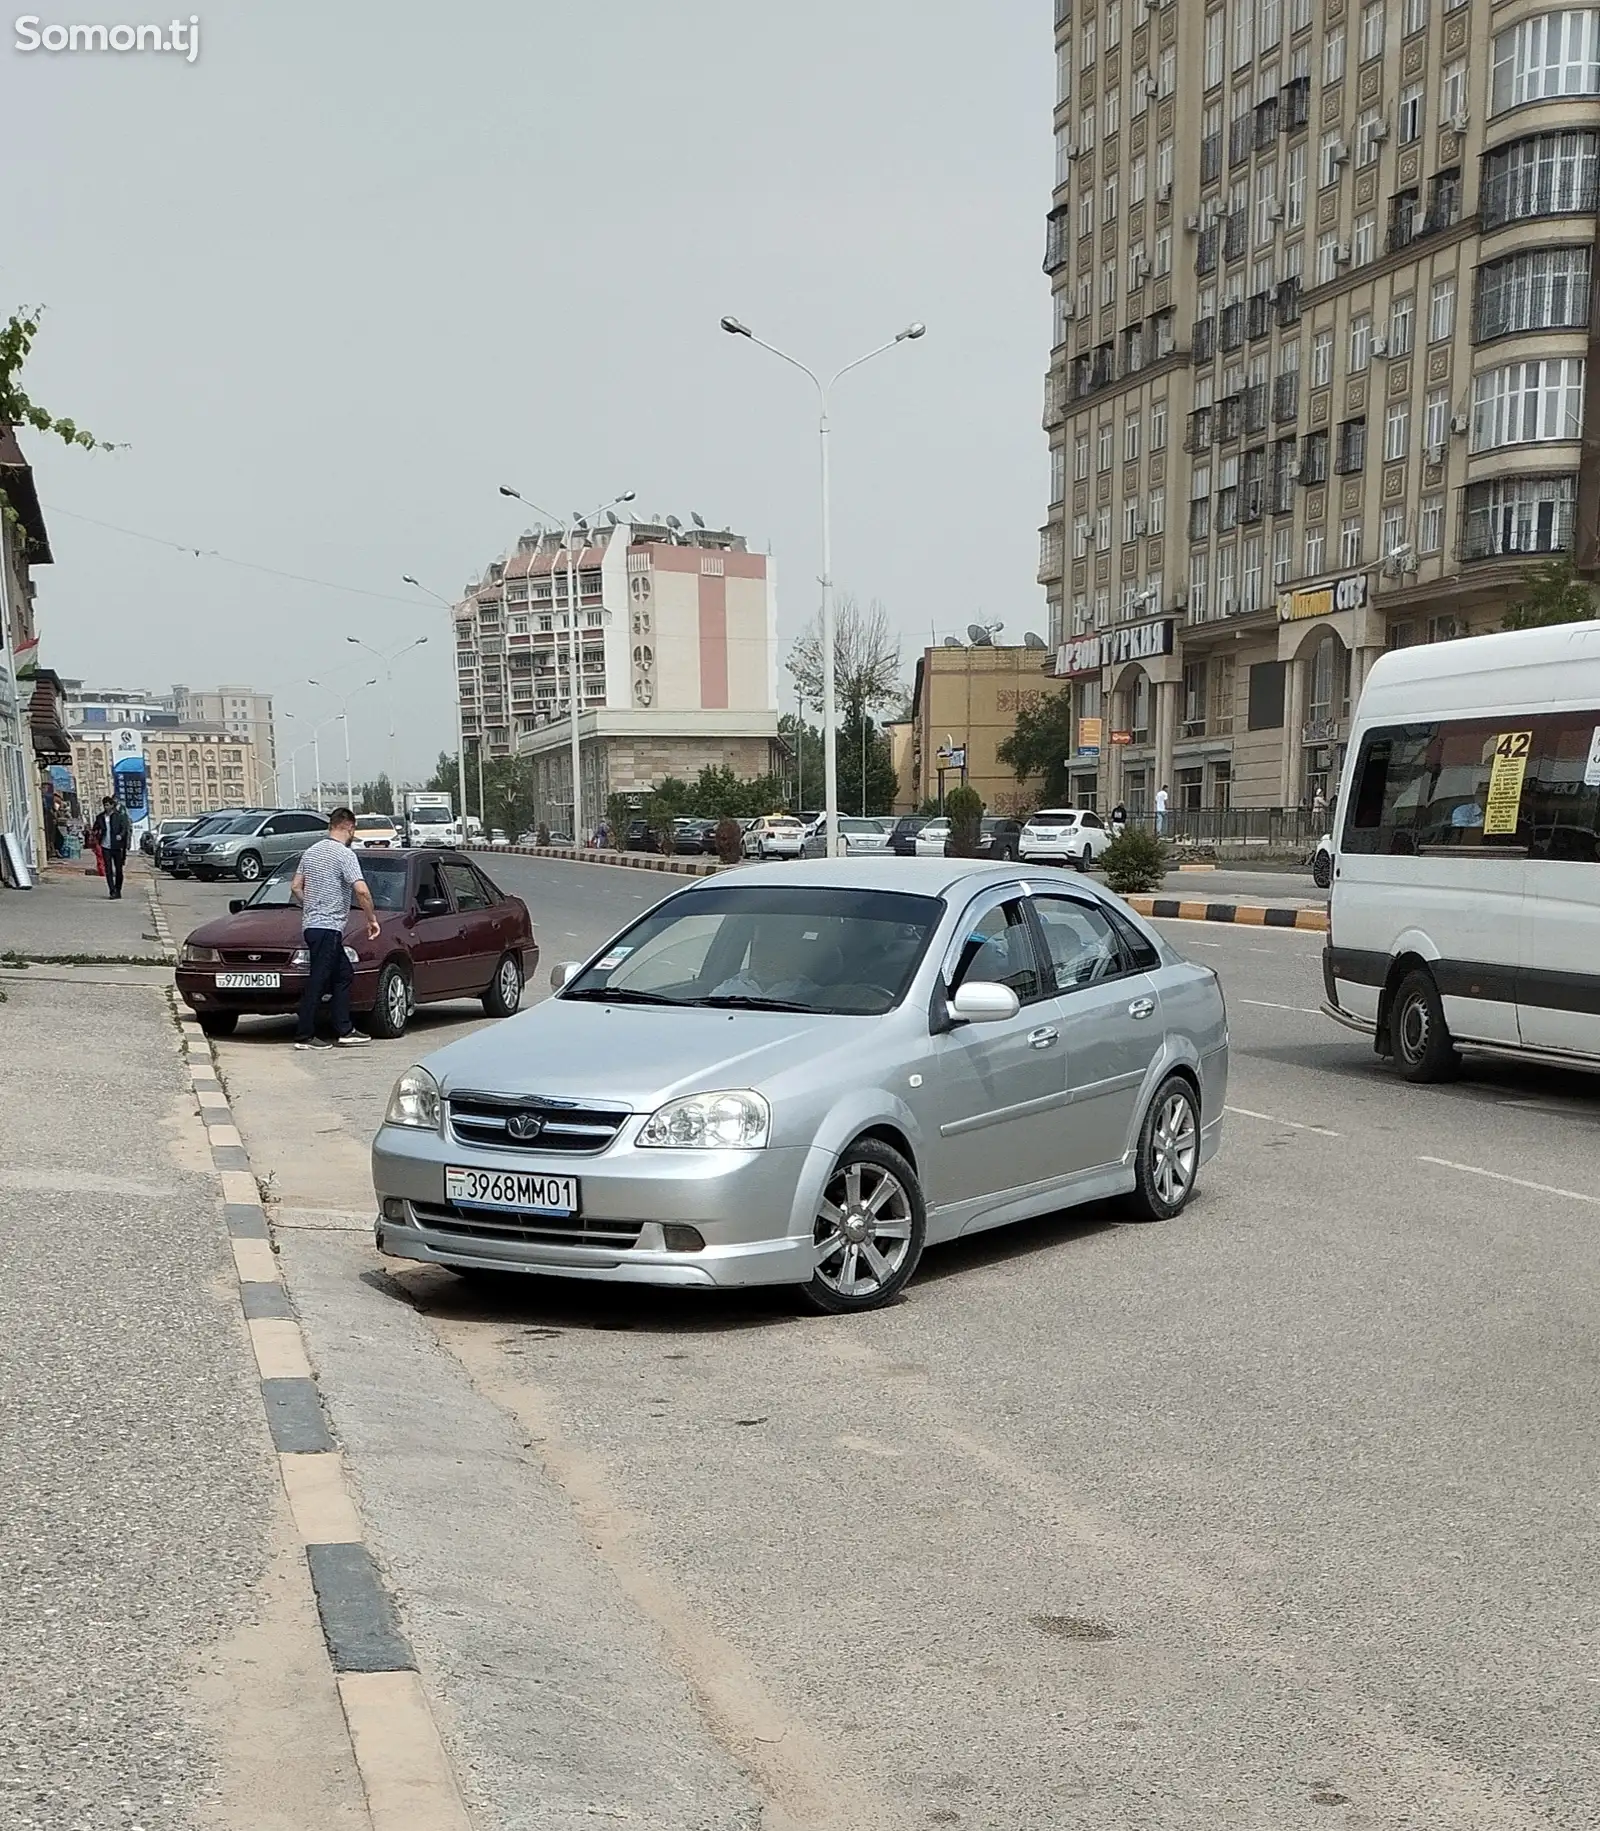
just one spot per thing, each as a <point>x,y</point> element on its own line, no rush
<point>1322,278</point>
<point>677,640</point>
<point>196,750</point>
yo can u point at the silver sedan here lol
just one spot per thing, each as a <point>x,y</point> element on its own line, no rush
<point>804,1075</point>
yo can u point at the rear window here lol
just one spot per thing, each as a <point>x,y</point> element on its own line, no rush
<point>370,823</point>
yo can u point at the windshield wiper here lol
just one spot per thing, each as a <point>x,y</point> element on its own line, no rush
<point>621,995</point>
<point>743,1001</point>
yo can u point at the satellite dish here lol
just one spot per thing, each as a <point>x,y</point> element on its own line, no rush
<point>978,636</point>
<point>611,516</point>
<point>954,642</point>
<point>1032,641</point>
<point>996,626</point>
<point>674,523</point>
<point>697,519</point>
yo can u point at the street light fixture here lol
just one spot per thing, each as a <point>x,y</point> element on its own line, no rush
<point>388,662</point>
<point>830,718</point>
<point>455,687</point>
<point>344,700</point>
<point>314,745</point>
<point>569,529</point>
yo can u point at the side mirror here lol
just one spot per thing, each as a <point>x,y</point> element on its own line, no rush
<point>235,904</point>
<point>984,1003</point>
<point>432,905</point>
<point>564,970</point>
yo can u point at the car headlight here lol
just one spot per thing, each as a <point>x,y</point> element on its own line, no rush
<point>710,1122</point>
<point>198,956</point>
<point>301,957</point>
<point>415,1101</point>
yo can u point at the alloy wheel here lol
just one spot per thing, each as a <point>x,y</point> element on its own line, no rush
<point>399,1002</point>
<point>863,1230</point>
<point>1174,1148</point>
<point>510,984</point>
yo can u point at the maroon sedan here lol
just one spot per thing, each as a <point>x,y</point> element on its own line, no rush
<point>446,931</point>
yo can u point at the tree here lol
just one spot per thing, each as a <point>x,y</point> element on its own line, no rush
<point>805,770</point>
<point>964,806</point>
<point>445,778</point>
<point>866,660</point>
<point>376,797</point>
<point>1552,593</point>
<point>881,781</point>
<point>1041,743</point>
<point>17,407</point>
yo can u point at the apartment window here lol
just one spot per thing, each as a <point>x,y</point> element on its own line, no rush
<point>1132,523</point>
<point>1228,496</point>
<point>1113,112</point>
<point>1158,425</point>
<point>1226,599</point>
<point>1300,15</point>
<point>1553,54</point>
<point>1216,28</point>
<point>1108,201</point>
<point>1409,125</point>
<point>1364,243</point>
<point>1330,158</point>
<point>1528,403</point>
<point>1156,517</point>
<point>1085,295</point>
<point>1080,457</point>
<point>1360,343</point>
<point>1442,310</point>
<point>1058,473</point>
<point>1250,595</point>
<point>1282,545</point>
<point>1396,424</point>
<point>1430,525</point>
<point>1453,92</point>
<point>1086,128</point>
<point>1165,163</point>
<point>1200,502</point>
<point>1167,72</point>
<point>1130,438</point>
<point>1368,138</point>
<point>1295,186</point>
<point>1518,515</point>
<point>1322,359</point>
<point>1064,155</point>
<point>1163,256</point>
<point>1138,174</point>
<point>1088,43</point>
<point>1545,175</point>
<point>1372,30</point>
<point>1414,16</point>
<point>1436,419</point>
<point>1270,24</point>
<point>1350,542</point>
<point>1333,57</point>
<point>1064,69</point>
<point>1137,266</point>
<point>1106,446</point>
<point>1199,581</point>
<point>1315,547</point>
<point>1113,24</point>
<point>1086,212</point>
<point>1538,290</point>
<point>1244,23</point>
<point>1102,531</point>
<point>1352,446</point>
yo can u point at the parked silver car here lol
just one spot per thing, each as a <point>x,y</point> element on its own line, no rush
<point>251,845</point>
<point>803,1074</point>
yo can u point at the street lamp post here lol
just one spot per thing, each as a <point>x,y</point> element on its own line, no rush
<point>314,745</point>
<point>344,700</point>
<point>388,662</point>
<point>569,531</point>
<point>830,732</point>
<point>455,687</point>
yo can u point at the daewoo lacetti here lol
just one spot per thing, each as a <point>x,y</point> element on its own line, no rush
<point>803,1074</point>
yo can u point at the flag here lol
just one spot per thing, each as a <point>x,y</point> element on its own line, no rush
<point>27,657</point>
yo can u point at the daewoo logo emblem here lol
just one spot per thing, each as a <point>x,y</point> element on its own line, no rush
<point>525,1125</point>
<point>254,956</point>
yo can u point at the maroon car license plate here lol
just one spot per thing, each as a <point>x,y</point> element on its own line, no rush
<point>511,1191</point>
<point>249,982</point>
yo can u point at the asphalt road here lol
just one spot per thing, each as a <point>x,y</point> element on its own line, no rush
<point>1277,1516</point>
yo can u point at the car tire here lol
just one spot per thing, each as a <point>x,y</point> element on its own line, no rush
<point>1167,1159</point>
<point>1418,1034</point>
<point>504,996</point>
<point>391,1008</point>
<point>218,1023</point>
<point>1322,871</point>
<point>837,1287</point>
<point>248,868</point>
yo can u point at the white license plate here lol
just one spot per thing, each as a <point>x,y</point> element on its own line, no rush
<point>511,1191</point>
<point>249,982</point>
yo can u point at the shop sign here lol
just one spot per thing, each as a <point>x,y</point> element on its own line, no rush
<point>1090,734</point>
<point>129,744</point>
<point>1122,737</point>
<point>1135,642</point>
<point>1349,593</point>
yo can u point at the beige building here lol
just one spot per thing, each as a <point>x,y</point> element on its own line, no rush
<point>677,637</point>
<point>964,706</point>
<point>242,712</point>
<point>186,771</point>
<point>1322,315</point>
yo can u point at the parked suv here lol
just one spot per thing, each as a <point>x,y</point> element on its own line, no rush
<point>172,850</point>
<point>251,845</point>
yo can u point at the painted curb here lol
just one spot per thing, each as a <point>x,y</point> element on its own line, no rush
<point>405,1769</point>
<point>1243,915</point>
<point>629,861</point>
<point>158,920</point>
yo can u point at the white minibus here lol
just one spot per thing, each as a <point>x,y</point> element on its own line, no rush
<point>1465,911</point>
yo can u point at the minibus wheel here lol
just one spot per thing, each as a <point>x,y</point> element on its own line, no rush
<point>1418,1033</point>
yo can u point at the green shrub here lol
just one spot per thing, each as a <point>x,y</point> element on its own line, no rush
<point>729,841</point>
<point>1135,862</point>
<point>964,809</point>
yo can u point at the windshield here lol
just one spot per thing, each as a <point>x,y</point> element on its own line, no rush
<point>372,823</point>
<point>232,823</point>
<point>386,879</point>
<point>821,951</point>
<point>430,816</point>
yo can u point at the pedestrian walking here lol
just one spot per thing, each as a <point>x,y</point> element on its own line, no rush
<point>1319,811</point>
<point>113,832</point>
<point>329,874</point>
<point>1161,808</point>
<point>1119,819</point>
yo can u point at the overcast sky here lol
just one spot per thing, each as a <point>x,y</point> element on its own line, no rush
<point>355,266</point>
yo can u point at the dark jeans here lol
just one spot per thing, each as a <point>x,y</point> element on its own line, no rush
<point>116,857</point>
<point>330,971</point>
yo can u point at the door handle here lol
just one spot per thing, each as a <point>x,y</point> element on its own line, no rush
<point>1043,1038</point>
<point>1142,1007</point>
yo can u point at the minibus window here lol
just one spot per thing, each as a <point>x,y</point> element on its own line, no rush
<point>1560,804</point>
<point>1392,778</point>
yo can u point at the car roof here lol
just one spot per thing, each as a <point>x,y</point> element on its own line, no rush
<point>920,876</point>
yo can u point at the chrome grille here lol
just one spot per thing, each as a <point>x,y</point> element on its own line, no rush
<point>533,1122</point>
<point>256,957</point>
<point>538,1229</point>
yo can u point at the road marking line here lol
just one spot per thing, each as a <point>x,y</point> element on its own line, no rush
<point>255,1261</point>
<point>1294,1125</point>
<point>1519,1182</point>
<point>1263,1004</point>
<point>318,1498</point>
<point>402,1760</point>
<point>280,1349</point>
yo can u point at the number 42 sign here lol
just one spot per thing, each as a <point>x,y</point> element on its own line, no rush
<point>1506,772</point>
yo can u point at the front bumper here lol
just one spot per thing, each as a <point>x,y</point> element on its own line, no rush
<point>197,987</point>
<point>754,1209</point>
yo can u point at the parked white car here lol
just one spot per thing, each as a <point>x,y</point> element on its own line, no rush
<point>931,840</point>
<point>775,836</point>
<point>1063,836</point>
<point>858,838</point>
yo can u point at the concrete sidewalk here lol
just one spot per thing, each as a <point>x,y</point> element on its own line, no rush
<point>68,914</point>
